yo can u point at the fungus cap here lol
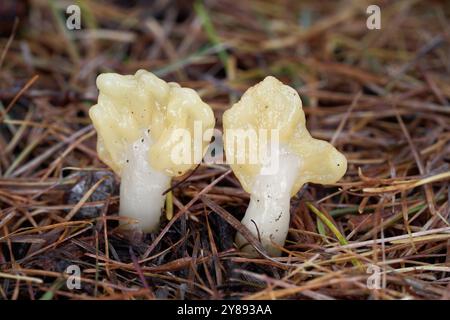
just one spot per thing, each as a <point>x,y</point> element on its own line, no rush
<point>272,105</point>
<point>129,105</point>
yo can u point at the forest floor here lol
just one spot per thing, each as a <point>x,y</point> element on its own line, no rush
<point>380,96</point>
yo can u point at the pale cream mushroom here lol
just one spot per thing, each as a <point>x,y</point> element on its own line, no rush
<point>140,120</point>
<point>283,166</point>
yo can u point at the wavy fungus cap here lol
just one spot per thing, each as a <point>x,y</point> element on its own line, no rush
<point>130,104</point>
<point>272,105</point>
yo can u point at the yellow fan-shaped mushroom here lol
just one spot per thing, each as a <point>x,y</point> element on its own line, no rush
<point>146,131</point>
<point>272,154</point>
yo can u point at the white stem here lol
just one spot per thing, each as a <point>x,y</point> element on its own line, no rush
<point>141,189</point>
<point>267,215</point>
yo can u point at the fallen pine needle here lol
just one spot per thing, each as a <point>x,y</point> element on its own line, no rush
<point>409,185</point>
<point>19,277</point>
